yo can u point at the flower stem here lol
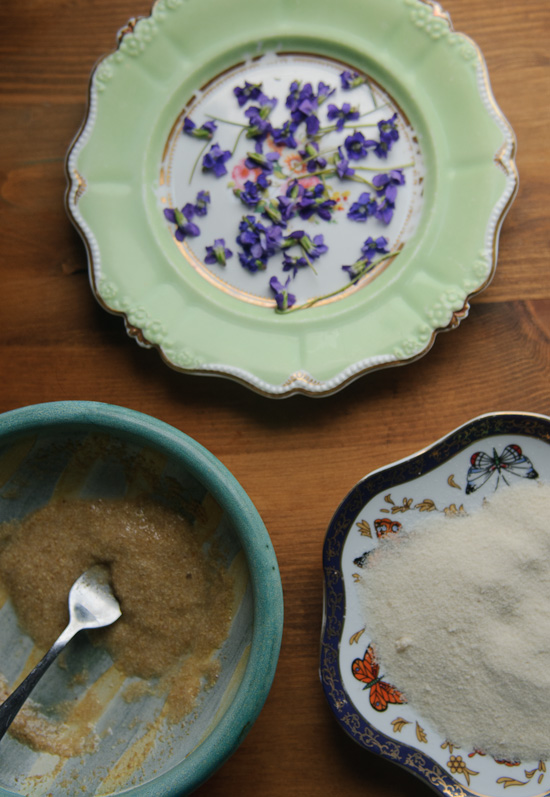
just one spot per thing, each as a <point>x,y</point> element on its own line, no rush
<point>319,173</point>
<point>310,264</point>
<point>366,124</point>
<point>373,98</point>
<point>241,131</point>
<point>320,154</point>
<point>332,172</point>
<point>226,121</point>
<point>377,168</point>
<point>357,179</point>
<point>324,131</point>
<point>206,143</point>
<point>336,292</point>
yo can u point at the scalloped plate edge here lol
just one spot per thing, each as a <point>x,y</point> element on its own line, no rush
<point>300,382</point>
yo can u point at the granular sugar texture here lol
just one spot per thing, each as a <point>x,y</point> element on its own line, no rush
<point>459,613</point>
<point>175,593</point>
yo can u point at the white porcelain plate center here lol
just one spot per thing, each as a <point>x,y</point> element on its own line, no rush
<point>182,177</point>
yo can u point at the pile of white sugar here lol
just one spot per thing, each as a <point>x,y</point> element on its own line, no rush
<point>459,612</point>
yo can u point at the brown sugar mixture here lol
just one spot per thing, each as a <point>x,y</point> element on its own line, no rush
<point>176,600</point>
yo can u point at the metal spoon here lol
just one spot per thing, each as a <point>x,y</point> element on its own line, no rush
<point>91,605</point>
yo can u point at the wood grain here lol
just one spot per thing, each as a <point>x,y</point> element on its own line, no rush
<point>296,458</point>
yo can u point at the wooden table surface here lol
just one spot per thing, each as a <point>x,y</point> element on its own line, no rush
<point>296,458</point>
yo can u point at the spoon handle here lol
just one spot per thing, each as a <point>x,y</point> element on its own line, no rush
<point>10,707</point>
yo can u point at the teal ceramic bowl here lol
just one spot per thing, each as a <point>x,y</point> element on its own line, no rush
<point>88,449</point>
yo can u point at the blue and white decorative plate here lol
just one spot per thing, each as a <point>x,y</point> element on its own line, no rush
<point>454,474</point>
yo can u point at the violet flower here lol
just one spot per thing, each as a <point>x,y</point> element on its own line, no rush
<point>270,239</point>
<point>182,220</point>
<point>266,104</point>
<point>357,146</point>
<point>350,80</point>
<point>258,127</point>
<point>280,210</point>
<point>283,136</point>
<point>343,168</point>
<point>311,157</point>
<point>306,93</point>
<point>363,208</point>
<point>324,208</point>
<point>201,203</point>
<point>270,210</point>
<point>188,210</point>
<point>308,196</point>
<point>340,116</point>
<point>323,92</point>
<point>387,184</point>
<point>248,236</point>
<point>304,103</point>
<point>294,263</point>
<point>251,263</point>
<point>263,182</point>
<point>370,248</point>
<point>295,190</point>
<point>215,159</point>
<point>250,91</point>
<point>265,162</point>
<point>287,208</point>
<point>258,242</point>
<point>374,246</point>
<point>293,95</point>
<point>206,130</point>
<point>357,269</point>
<point>389,134</point>
<point>250,195</point>
<point>315,200</point>
<point>312,248</point>
<point>303,110</point>
<point>384,211</point>
<point>290,203</point>
<point>218,253</point>
<point>283,297</point>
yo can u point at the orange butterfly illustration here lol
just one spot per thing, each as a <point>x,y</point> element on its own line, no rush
<point>381,693</point>
<point>384,526</point>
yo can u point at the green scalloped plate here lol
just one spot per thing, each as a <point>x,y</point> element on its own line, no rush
<point>131,161</point>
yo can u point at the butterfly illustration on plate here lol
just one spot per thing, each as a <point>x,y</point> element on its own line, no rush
<point>381,693</point>
<point>383,527</point>
<point>484,466</point>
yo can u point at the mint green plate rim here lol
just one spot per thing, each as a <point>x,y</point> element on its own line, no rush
<point>437,77</point>
<point>221,743</point>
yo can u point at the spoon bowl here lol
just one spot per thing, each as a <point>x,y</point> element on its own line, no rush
<point>91,600</point>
